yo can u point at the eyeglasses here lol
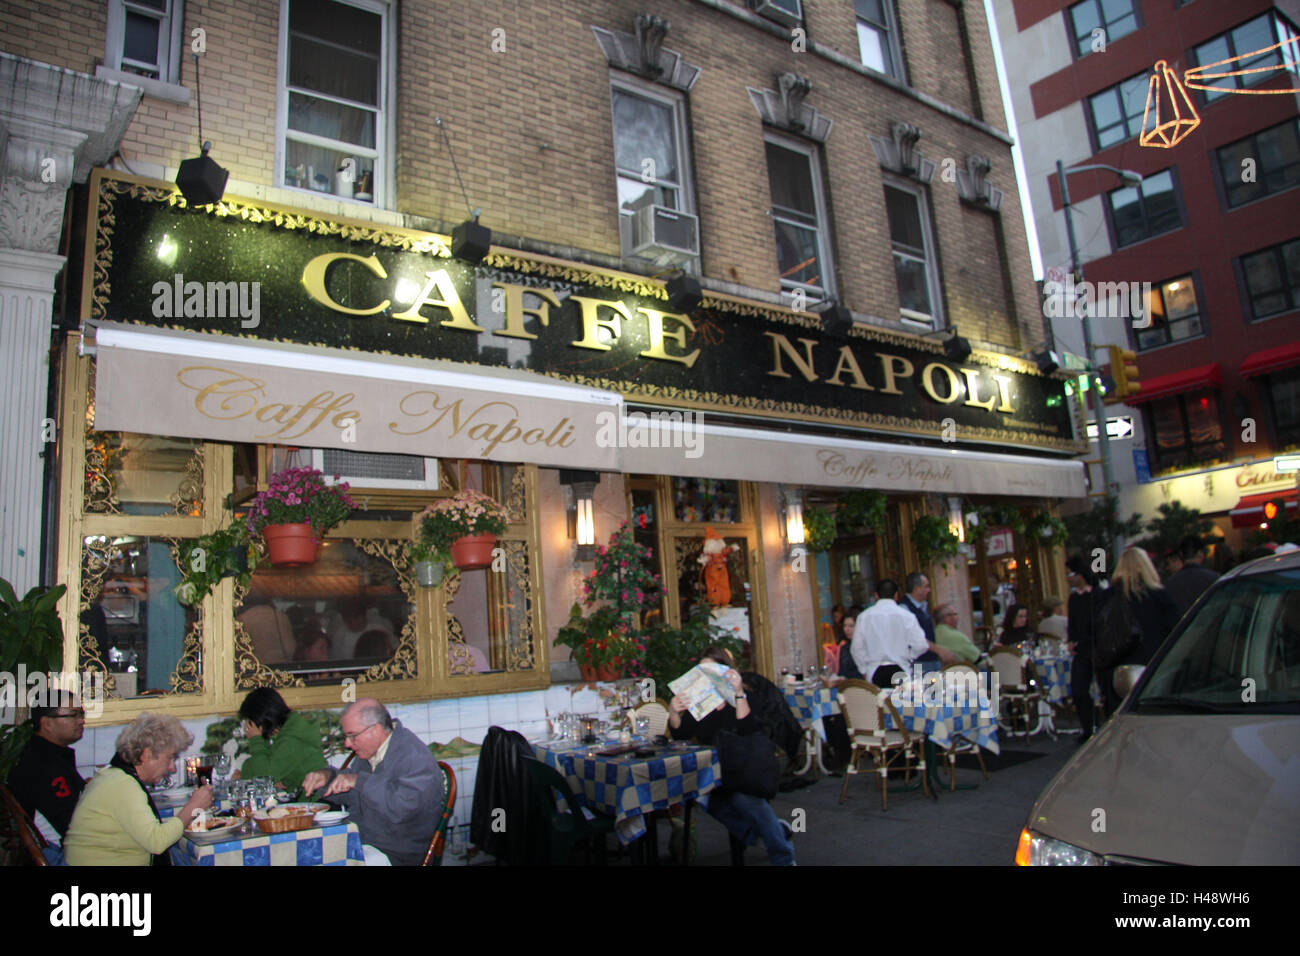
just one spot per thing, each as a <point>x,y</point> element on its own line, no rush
<point>354,736</point>
<point>76,715</point>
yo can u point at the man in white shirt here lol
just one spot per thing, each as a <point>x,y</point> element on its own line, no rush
<point>888,638</point>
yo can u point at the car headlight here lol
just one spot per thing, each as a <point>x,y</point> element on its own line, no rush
<point>1038,850</point>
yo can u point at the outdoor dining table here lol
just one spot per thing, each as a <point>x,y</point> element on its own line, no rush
<point>335,845</point>
<point>629,788</point>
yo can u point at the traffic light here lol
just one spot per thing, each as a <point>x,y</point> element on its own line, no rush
<point>1124,370</point>
<point>1274,508</point>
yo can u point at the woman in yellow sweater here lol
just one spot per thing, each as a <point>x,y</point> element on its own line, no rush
<point>116,822</point>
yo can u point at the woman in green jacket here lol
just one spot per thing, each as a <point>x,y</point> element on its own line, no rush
<point>281,744</point>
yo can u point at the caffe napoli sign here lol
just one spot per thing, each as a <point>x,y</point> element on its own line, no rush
<point>397,292</point>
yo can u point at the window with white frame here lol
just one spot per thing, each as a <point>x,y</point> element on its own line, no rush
<point>799,215</point>
<point>650,152</point>
<point>144,37</point>
<point>878,37</point>
<point>914,258</point>
<point>333,95</point>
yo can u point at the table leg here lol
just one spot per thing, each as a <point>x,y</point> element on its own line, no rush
<point>810,751</point>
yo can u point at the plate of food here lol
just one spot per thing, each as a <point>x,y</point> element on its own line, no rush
<point>213,829</point>
<point>329,818</point>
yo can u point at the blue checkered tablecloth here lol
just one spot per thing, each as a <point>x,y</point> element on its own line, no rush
<point>1054,676</point>
<point>940,722</point>
<point>811,703</point>
<point>627,787</point>
<point>338,845</point>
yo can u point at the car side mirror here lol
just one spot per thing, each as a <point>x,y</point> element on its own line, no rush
<point>1125,677</point>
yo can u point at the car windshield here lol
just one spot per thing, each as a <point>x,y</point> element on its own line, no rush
<point>1240,653</point>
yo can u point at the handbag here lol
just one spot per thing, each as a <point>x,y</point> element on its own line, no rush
<point>1118,634</point>
<point>749,763</point>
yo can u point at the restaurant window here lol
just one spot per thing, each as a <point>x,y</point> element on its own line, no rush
<point>1117,111</point>
<point>1114,18</point>
<point>914,259</point>
<point>1284,400</point>
<point>799,216</point>
<point>144,37</point>
<point>652,165</point>
<point>878,37</point>
<point>1258,34</point>
<point>706,500</point>
<point>1175,314</point>
<point>1273,279</point>
<point>334,79</point>
<point>1145,210</point>
<point>1186,429</point>
<point>1272,157</point>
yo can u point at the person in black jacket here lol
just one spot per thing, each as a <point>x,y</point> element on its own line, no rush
<point>1192,579</point>
<point>747,817</point>
<point>1081,610</point>
<point>46,778</point>
<point>1136,581</point>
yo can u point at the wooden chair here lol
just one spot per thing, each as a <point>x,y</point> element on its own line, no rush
<point>20,824</point>
<point>657,711</point>
<point>569,826</point>
<point>863,706</point>
<point>961,743</point>
<point>433,856</point>
<point>1017,689</point>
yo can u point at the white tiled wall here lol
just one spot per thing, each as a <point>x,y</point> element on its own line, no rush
<point>432,721</point>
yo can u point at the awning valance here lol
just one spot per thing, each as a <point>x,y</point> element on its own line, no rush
<point>218,388</point>
<point>1175,383</point>
<point>1249,511</point>
<point>1271,360</point>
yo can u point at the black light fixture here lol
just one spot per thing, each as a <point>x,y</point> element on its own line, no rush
<point>200,180</point>
<point>470,242</point>
<point>1047,360</point>
<point>837,319</point>
<point>684,293</point>
<point>956,347</point>
<point>580,510</point>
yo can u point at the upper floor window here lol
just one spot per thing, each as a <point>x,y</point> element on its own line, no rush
<point>333,96</point>
<point>878,37</point>
<point>144,37</point>
<point>1252,36</point>
<point>1284,401</point>
<point>914,259</point>
<point>799,214</point>
<point>1186,429</point>
<point>1114,18</point>
<point>1117,111</point>
<point>653,169</point>
<point>1145,210</point>
<point>1263,163</point>
<point>1175,314</point>
<point>1273,279</point>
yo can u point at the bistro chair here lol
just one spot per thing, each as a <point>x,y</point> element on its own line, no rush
<point>575,822</point>
<point>961,743</point>
<point>433,856</point>
<point>657,711</point>
<point>1018,689</point>
<point>20,825</point>
<point>863,706</point>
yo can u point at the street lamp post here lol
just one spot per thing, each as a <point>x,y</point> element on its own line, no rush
<point>1076,270</point>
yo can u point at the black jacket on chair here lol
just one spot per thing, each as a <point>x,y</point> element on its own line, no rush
<point>767,702</point>
<point>503,782</point>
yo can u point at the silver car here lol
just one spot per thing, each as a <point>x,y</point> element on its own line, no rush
<point>1201,764</point>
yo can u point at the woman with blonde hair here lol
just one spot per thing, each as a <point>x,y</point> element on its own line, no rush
<point>116,822</point>
<point>1135,580</point>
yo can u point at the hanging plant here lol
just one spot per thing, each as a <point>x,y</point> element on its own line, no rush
<point>818,529</point>
<point>1048,528</point>
<point>985,518</point>
<point>294,512</point>
<point>861,509</point>
<point>227,553</point>
<point>934,541</point>
<point>467,517</point>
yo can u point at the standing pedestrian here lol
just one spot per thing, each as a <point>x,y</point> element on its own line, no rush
<point>1081,610</point>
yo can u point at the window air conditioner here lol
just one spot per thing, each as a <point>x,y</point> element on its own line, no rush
<point>665,236</point>
<point>786,12</point>
<point>363,469</point>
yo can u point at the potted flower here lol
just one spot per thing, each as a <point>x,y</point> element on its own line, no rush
<point>600,642</point>
<point>220,554</point>
<point>294,512</point>
<point>462,528</point>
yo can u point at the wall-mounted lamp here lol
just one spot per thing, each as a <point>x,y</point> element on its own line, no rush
<point>956,523</point>
<point>580,510</point>
<point>792,504</point>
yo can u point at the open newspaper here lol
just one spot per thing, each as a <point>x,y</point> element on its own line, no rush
<point>704,687</point>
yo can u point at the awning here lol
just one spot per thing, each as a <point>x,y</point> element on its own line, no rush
<point>694,449</point>
<point>1271,360</point>
<point>1249,511</point>
<point>192,385</point>
<point>1175,383</point>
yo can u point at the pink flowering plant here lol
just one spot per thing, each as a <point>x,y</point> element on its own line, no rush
<point>465,513</point>
<point>298,495</point>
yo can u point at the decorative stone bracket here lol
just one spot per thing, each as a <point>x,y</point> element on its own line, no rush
<point>974,187</point>
<point>644,55</point>
<point>900,155</point>
<point>785,108</point>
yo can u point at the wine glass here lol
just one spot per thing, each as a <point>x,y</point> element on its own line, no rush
<point>222,766</point>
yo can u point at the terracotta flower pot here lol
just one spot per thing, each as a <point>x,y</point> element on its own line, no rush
<point>587,672</point>
<point>290,545</point>
<point>611,671</point>
<point>473,551</point>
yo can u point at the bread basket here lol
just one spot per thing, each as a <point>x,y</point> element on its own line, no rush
<point>294,820</point>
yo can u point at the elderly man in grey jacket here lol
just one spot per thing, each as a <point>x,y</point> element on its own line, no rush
<point>393,789</point>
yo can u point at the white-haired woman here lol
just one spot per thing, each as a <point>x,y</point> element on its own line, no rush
<point>116,822</point>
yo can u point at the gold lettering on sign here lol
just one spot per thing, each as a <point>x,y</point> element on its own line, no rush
<point>515,309</point>
<point>973,390</point>
<point>658,334</point>
<point>927,383</point>
<point>805,365</point>
<point>591,320</point>
<point>494,423</point>
<point>834,465</point>
<point>1004,390</point>
<point>225,395</point>
<point>313,279</point>
<point>439,280</point>
<point>893,366</point>
<point>849,362</point>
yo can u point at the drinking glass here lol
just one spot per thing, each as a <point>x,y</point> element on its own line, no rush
<point>643,727</point>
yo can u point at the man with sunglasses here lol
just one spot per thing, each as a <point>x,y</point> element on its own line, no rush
<point>46,781</point>
<point>392,789</point>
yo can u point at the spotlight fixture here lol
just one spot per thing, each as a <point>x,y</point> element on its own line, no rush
<point>956,347</point>
<point>1048,361</point>
<point>470,242</point>
<point>837,319</point>
<point>200,180</point>
<point>684,293</point>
